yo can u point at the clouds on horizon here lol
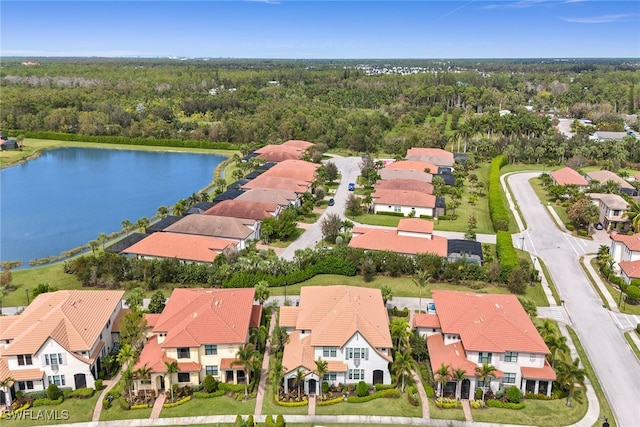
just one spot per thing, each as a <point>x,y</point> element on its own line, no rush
<point>602,19</point>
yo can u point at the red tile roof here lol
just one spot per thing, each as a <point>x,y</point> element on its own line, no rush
<point>415,225</point>
<point>387,174</point>
<point>278,183</point>
<point>378,239</point>
<point>418,151</point>
<point>153,356</point>
<point>567,176</point>
<point>226,364</point>
<point>298,352</point>
<point>189,367</point>
<point>26,374</point>
<point>403,198</point>
<point>244,209</point>
<point>280,197</point>
<point>303,145</point>
<point>116,322</point>
<point>604,176</point>
<point>256,315</point>
<point>279,156</point>
<point>152,319</point>
<point>631,268</point>
<point>414,165</point>
<point>632,242</point>
<point>296,169</point>
<point>452,355</point>
<point>421,320</point>
<point>197,316</point>
<point>544,373</point>
<point>188,247</point>
<point>405,184</point>
<point>213,226</point>
<point>488,322</point>
<point>278,149</point>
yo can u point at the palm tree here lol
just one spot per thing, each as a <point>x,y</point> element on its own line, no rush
<point>4,386</point>
<point>94,245</point>
<point>459,375</point>
<point>322,368</point>
<point>557,346</point>
<point>402,364</point>
<point>102,239</point>
<point>421,279</point>
<point>125,355</point>
<point>400,331</point>
<point>180,207</point>
<point>262,291</point>
<point>443,377</point>
<point>569,374</point>
<point>244,356</point>
<point>483,372</point>
<point>126,225</point>
<point>299,380</point>
<point>144,373</point>
<point>127,377</point>
<point>633,214</point>
<point>142,223</point>
<point>172,368</point>
<point>547,329</point>
<point>277,372</point>
<point>259,336</point>
<point>162,212</point>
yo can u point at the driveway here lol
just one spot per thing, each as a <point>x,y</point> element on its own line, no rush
<point>613,361</point>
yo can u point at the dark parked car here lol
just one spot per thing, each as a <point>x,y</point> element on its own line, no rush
<point>332,202</point>
<point>352,186</point>
<point>599,226</point>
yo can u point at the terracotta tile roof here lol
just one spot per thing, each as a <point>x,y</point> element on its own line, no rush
<point>404,198</point>
<point>152,319</point>
<point>605,176</point>
<point>387,174</point>
<point>452,355</point>
<point>197,316</point>
<point>115,327</point>
<point>279,197</point>
<point>4,370</point>
<point>631,268</point>
<point>419,151</point>
<point>336,366</point>
<point>289,316</point>
<point>415,225</point>
<point>632,242</point>
<point>153,356</point>
<point>278,183</point>
<point>637,177</point>
<point>488,322</point>
<point>256,315</point>
<point>544,373</point>
<point>303,145</point>
<point>226,364</point>
<point>567,176</point>
<point>414,166</point>
<point>335,313</point>
<point>27,374</point>
<point>298,353</point>
<point>213,226</point>
<point>296,169</point>
<point>421,320</point>
<point>279,156</point>
<point>244,209</point>
<point>444,161</point>
<point>378,239</point>
<point>279,148</point>
<point>405,184</point>
<point>96,352</point>
<point>74,319</point>
<point>189,367</point>
<point>188,247</point>
<point>359,229</point>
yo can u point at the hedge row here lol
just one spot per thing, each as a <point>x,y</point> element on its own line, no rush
<point>151,142</point>
<point>493,403</point>
<point>203,395</point>
<point>303,402</point>
<point>507,255</point>
<point>46,402</point>
<point>446,403</point>
<point>20,409</point>
<point>330,401</point>
<point>178,403</point>
<point>497,210</point>
<point>391,393</point>
<point>83,393</point>
<point>231,387</point>
<point>141,406</point>
<point>384,386</point>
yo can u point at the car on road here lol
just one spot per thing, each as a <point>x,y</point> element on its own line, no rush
<point>332,202</point>
<point>352,186</point>
<point>599,226</point>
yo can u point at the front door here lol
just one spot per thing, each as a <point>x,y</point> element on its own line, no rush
<point>80,381</point>
<point>161,382</point>
<point>378,376</point>
<point>312,386</point>
<point>466,386</point>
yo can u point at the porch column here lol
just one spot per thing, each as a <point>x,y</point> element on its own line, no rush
<point>286,385</point>
<point>523,386</point>
<point>535,391</point>
<point>549,385</point>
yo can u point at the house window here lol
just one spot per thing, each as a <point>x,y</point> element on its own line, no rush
<point>532,357</point>
<point>329,351</point>
<point>183,353</point>
<point>510,356</point>
<point>509,378</point>
<point>53,359</point>
<point>484,357</point>
<point>25,385</point>
<point>183,377</point>
<point>24,359</point>
<point>480,383</point>
<point>331,376</point>
<point>210,349</point>
<point>212,370</point>
<point>616,212</point>
<point>396,209</point>
<point>56,379</point>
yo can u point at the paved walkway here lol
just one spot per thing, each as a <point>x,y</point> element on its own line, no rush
<point>467,409</point>
<point>265,368</point>
<point>157,406</point>
<point>423,395</point>
<point>108,386</point>
<point>586,262</point>
<point>312,405</point>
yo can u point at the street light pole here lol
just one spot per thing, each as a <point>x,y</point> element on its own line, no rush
<point>522,240</point>
<point>27,291</point>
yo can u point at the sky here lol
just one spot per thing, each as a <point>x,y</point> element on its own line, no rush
<point>364,29</point>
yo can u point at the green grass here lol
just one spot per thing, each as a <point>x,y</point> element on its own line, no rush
<point>373,219</point>
<point>384,406</point>
<point>632,343</point>
<point>605,410</point>
<point>78,410</point>
<point>115,413</point>
<point>269,405</point>
<point>536,412</point>
<point>287,242</point>
<point>540,191</point>
<point>29,278</point>
<point>222,405</point>
<point>615,293</point>
<point>552,285</point>
<point>309,218</point>
<point>445,414</point>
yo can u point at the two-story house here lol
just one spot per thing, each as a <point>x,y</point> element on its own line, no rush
<point>470,329</point>
<point>59,339</point>
<point>347,327</point>
<point>624,247</point>
<point>201,330</point>
<point>612,209</point>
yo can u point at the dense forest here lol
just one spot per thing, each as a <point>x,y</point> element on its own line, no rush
<point>364,106</point>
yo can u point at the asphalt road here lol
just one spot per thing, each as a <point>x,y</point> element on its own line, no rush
<point>615,364</point>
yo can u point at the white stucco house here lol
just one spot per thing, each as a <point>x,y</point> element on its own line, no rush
<point>348,327</point>
<point>405,202</point>
<point>625,247</point>
<point>59,338</point>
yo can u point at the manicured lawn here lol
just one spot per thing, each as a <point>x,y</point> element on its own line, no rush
<point>115,413</point>
<point>536,412</point>
<point>373,219</point>
<point>615,293</point>
<point>78,410</point>
<point>286,243</point>
<point>384,406</point>
<point>552,285</point>
<point>222,405</point>
<point>541,192</point>
<point>632,343</point>
<point>269,406</point>
<point>310,218</point>
<point>29,278</point>
<point>445,414</point>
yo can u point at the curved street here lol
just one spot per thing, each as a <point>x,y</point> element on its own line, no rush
<point>616,366</point>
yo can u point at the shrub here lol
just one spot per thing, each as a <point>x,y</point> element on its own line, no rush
<point>497,210</point>
<point>40,394</point>
<point>384,386</point>
<point>239,421</point>
<point>98,384</point>
<point>124,405</point>
<point>83,393</point>
<point>392,393</point>
<point>203,395</point>
<point>362,389</point>
<point>477,404</point>
<point>582,233</point>
<point>53,392</point>
<point>178,403</point>
<point>507,255</point>
<point>330,401</point>
<point>446,403</point>
<point>294,404</point>
<point>514,395</point>
<point>325,387</point>
<point>141,406</point>
<point>534,396</point>
<point>250,422</point>
<point>66,393</point>
<point>429,390</point>
<point>231,387</point>
<point>46,402</point>
<point>570,226</point>
<point>477,394</point>
<point>390,213</point>
<point>268,421</point>
<point>210,384</point>
<point>280,421</point>
<point>493,403</point>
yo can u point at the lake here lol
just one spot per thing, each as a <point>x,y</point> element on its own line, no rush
<point>67,196</point>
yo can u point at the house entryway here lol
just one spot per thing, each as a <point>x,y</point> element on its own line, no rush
<point>313,384</point>
<point>378,376</point>
<point>80,381</point>
<point>465,388</point>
